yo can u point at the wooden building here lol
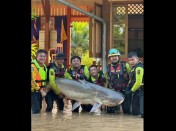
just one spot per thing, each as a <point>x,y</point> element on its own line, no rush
<point>124,25</point>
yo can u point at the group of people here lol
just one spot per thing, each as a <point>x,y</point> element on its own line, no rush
<point>121,76</point>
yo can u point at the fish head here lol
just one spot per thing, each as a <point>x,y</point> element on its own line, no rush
<point>114,100</point>
<point>118,99</point>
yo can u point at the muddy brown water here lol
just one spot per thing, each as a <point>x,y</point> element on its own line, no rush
<point>57,121</point>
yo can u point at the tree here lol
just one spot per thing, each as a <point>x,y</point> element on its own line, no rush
<point>33,14</point>
<point>79,38</point>
<point>34,46</point>
<point>34,49</point>
<point>86,60</point>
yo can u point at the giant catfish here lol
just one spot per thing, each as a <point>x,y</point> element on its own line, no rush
<point>88,93</point>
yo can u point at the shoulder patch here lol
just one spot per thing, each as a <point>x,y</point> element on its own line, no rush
<point>138,72</point>
<point>52,73</point>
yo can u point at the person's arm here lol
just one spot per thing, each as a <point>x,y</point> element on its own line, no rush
<point>86,72</point>
<point>106,79</point>
<point>34,72</point>
<point>128,68</point>
<point>139,76</point>
<point>67,75</point>
<point>52,81</point>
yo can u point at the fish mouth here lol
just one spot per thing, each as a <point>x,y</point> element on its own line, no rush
<point>121,101</point>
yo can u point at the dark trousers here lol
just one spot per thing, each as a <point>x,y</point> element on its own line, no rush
<point>141,97</point>
<point>113,109</point>
<point>138,103</point>
<point>135,103</point>
<point>85,108</point>
<point>36,102</point>
<point>50,98</point>
<point>126,104</point>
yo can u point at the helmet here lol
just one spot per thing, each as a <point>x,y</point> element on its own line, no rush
<point>113,52</point>
<point>60,56</point>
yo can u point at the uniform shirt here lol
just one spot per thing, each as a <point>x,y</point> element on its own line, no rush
<point>139,72</point>
<point>118,75</point>
<point>94,80</point>
<point>52,77</point>
<point>85,71</point>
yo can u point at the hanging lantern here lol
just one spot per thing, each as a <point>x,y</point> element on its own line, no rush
<point>41,39</point>
<point>53,39</point>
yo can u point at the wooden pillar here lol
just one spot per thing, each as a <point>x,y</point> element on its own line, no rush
<point>68,36</point>
<point>46,9</point>
<point>106,15</point>
<point>47,39</point>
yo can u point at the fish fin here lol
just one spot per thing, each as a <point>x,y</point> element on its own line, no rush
<point>75,105</point>
<point>82,81</point>
<point>95,106</point>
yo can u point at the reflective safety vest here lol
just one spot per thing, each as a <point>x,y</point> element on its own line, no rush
<point>118,76</point>
<point>73,73</point>
<point>40,78</point>
<point>100,81</point>
<point>59,72</point>
<point>132,75</point>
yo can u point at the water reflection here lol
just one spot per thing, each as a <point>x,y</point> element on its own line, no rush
<point>56,121</point>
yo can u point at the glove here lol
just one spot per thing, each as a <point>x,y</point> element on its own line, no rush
<point>128,92</point>
<point>127,88</point>
<point>81,77</point>
<point>73,73</point>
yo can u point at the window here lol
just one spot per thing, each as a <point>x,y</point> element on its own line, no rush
<point>118,27</point>
<point>127,28</point>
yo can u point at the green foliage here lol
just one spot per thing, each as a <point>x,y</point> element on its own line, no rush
<point>86,60</point>
<point>34,14</point>
<point>79,38</point>
<point>80,42</point>
<point>34,49</point>
<point>34,46</point>
<point>119,33</point>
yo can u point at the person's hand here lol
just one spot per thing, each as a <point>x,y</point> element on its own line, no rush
<point>128,92</point>
<point>47,88</point>
<point>73,73</point>
<point>66,98</point>
<point>43,93</point>
<point>81,77</point>
<point>127,88</point>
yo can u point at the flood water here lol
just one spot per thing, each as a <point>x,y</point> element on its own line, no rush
<point>56,121</point>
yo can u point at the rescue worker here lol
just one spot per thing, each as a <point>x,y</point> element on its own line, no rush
<point>38,80</point>
<point>78,71</point>
<point>99,78</point>
<point>136,84</point>
<point>56,70</point>
<point>118,77</point>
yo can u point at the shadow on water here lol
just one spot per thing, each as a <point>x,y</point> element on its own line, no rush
<point>56,121</point>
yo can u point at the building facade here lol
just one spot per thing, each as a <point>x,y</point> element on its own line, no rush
<point>123,19</point>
